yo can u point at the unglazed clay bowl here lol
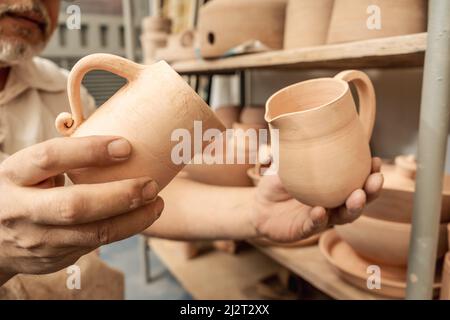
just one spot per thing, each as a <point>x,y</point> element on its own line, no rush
<point>353,268</point>
<point>384,242</point>
<point>445,290</point>
<point>395,202</point>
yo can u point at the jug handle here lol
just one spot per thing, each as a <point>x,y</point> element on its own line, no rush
<point>67,123</point>
<point>366,94</point>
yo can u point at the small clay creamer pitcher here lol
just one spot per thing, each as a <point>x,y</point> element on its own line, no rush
<point>146,111</point>
<point>324,152</point>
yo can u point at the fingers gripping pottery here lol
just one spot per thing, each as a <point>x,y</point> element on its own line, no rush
<point>154,103</point>
<point>324,152</point>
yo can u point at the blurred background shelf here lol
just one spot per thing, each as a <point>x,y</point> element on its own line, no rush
<point>309,264</point>
<point>215,274</point>
<point>392,52</point>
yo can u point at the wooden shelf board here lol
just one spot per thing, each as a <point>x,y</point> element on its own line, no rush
<point>216,274</point>
<point>309,264</point>
<point>399,51</point>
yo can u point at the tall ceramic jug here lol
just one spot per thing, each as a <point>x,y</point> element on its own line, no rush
<point>324,152</point>
<point>154,103</point>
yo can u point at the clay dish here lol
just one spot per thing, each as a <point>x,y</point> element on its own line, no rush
<point>384,242</point>
<point>395,202</point>
<point>353,268</point>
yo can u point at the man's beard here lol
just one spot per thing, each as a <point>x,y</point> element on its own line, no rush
<point>13,51</point>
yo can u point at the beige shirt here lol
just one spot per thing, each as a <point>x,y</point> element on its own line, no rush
<point>34,95</point>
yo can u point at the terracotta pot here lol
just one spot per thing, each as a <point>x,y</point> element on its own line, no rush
<point>445,289</point>
<point>225,24</point>
<point>234,174</point>
<point>253,115</point>
<point>179,47</point>
<point>351,18</point>
<point>324,150</point>
<point>307,23</point>
<point>384,242</point>
<point>396,199</point>
<point>151,42</point>
<point>152,24</point>
<point>228,115</point>
<point>146,111</point>
<point>353,268</point>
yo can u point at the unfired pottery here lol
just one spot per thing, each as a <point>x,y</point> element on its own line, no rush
<point>225,24</point>
<point>353,268</point>
<point>350,19</point>
<point>324,152</point>
<point>228,115</point>
<point>384,242</point>
<point>179,47</point>
<point>156,23</point>
<point>146,111</point>
<point>263,242</point>
<point>307,23</point>
<point>395,202</point>
<point>150,43</point>
<point>253,115</point>
<point>445,289</point>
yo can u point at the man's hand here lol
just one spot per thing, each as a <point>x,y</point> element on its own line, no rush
<point>279,217</point>
<point>45,226</point>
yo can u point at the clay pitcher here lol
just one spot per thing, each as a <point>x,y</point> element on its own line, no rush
<point>324,152</point>
<point>146,111</point>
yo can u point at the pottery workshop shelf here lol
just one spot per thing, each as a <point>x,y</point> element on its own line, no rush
<point>309,264</point>
<point>398,51</point>
<point>234,276</point>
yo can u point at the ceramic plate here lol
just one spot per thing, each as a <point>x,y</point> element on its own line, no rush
<point>353,268</point>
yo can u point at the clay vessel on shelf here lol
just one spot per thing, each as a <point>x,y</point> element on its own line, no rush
<point>384,242</point>
<point>228,115</point>
<point>395,202</point>
<point>225,24</point>
<point>179,47</point>
<point>307,23</point>
<point>146,111</point>
<point>152,24</point>
<point>353,268</point>
<point>353,20</point>
<point>150,43</point>
<point>324,152</point>
<point>234,174</point>
<point>445,289</point>
<point>253,115</point>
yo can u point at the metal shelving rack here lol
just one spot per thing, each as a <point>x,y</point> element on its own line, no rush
<point>402,51</point>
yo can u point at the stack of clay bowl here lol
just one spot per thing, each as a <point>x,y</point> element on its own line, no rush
<point>155,32</point>
<point>179,47</point>
<point>381,235</point>
<point>354,20</point>
<point>225,24</point>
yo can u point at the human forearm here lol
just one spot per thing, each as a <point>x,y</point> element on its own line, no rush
<point>198,211</point>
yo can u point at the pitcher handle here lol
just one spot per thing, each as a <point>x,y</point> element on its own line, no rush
<point>366,94</point>
<point>67,123</point>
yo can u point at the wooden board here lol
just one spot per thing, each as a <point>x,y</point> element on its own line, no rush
<point>216,275</point>
<point>399,51</point>
<point>309,264</point>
